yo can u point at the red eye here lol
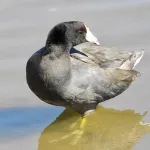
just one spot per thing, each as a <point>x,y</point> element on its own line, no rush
<point>80,30</point>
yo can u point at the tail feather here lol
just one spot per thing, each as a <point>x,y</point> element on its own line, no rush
<point>132,61</point>
<point>138,56</point>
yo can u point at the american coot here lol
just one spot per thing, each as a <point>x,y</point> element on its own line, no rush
<point>81,80</point>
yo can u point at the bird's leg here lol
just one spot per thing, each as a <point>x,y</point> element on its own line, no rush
<point>83,121</point>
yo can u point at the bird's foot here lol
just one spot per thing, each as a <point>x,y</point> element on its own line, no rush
<point>88,112</point>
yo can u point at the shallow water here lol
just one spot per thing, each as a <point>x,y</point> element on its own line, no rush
<point>23,29</point>
<point>109,130</point>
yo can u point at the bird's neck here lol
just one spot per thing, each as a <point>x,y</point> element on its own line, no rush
<point>58,61</point>
<point>58,50</point>
<point>57,45</point>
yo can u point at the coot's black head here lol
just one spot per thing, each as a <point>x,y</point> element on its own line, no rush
<point>73,32</point>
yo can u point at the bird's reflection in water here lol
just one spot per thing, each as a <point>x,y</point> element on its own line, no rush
<point>105,129</point>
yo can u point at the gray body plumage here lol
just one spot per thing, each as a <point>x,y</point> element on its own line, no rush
<point>67,81</point>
